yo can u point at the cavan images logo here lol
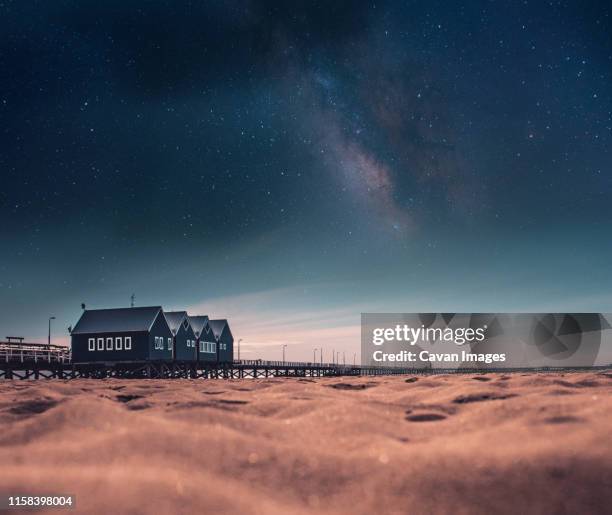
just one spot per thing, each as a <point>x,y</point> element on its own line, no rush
<point>486,340</point>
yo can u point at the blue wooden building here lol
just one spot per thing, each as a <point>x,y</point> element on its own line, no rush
<point>184,339</point>
<point>224,339</point>
<point>122,334</point>
<point>206,342</point>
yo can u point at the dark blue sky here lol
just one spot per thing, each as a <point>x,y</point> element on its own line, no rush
<point>301,162</point>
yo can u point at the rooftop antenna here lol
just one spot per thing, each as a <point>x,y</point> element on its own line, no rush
<point>132,298</point>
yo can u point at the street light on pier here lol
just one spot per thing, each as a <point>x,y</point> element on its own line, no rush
<point>239,348</point>
<point>314,355</point>
<point>284,345</point>
<point>49,334</point>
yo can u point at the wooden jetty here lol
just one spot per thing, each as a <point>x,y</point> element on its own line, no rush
<point>21,360</point>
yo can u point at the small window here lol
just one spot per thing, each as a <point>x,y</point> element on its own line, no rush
<point>109,344</point>
<point>201,346</point>
<point>213,347</point>
<point>91,344</point>
<point>118,343</point>
<point>185,324</point>
<point>100,343</point>
<point>157,342</point>
<point>169,343</point>
<point>128,343</point>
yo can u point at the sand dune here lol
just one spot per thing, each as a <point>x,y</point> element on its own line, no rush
<point>509,443</point>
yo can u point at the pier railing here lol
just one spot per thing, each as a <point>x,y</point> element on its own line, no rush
<point>292,364</point>
<point>21,352</point>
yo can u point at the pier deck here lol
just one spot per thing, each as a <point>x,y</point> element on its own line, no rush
<point>19,360</point>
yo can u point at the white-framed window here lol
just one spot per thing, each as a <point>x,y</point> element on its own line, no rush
<point>157,342</point>
<point>128,343</point>
<point>109,344</point>
<point>201,346</point>
<point>91,344</point>
<point>100,343</point>
<point>118,343</point>
<point>213,347</point>
<point>188,343</point>
<point>169,343</point>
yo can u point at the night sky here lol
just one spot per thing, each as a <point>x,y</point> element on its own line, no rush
<point>289,165</point>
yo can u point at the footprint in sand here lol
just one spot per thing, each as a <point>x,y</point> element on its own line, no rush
<point>33,407</point>
<point>138,406</point>
<point>562,419</point>
<point>481,378</point>
<point>425,417</point>
<point>561,392</point>
<point>479,397</point>
<point>588,383</point>
<point>348,386</point>
<point>128,397</point>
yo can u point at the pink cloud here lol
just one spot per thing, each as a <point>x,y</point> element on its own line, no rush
<point>269,319</point>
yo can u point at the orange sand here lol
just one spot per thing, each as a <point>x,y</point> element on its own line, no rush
<point>495,443</point>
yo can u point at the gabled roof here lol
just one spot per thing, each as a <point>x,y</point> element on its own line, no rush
<point>118,319</point>
<point>175,319</point>
<point>198,323</point>
<point>217,326</point>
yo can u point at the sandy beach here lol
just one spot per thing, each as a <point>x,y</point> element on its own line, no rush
<point>494,443</point>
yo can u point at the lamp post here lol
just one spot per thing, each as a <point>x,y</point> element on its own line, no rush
<point>239,348</point>
<point>354,358</point>
<point>49,335</point>
<point>343,358</point>
<point>321,356</point>
<point>314,355</point>
<point>284,345</point>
